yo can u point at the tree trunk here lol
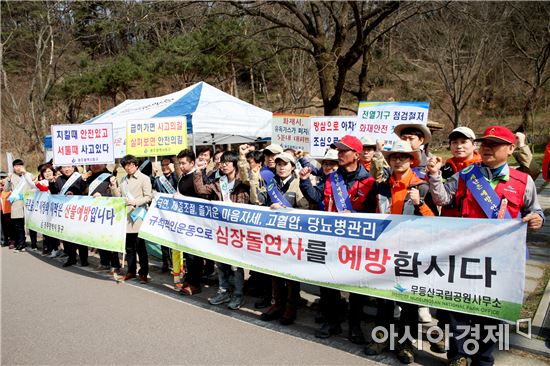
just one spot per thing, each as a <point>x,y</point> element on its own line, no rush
<point>252,86</point>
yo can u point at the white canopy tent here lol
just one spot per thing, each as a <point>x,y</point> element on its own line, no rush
<point>213,116</point>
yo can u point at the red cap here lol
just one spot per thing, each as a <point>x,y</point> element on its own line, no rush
<point>349,142</point>
<point>498,134</point>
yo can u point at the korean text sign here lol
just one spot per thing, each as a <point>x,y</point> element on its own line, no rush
<point>326,131</point>
<point>94,222</point>
<point>291,131</point>
<point>420,260</point>
<point>378,119</point>
<point>83,144</point>
<point>156,136</point>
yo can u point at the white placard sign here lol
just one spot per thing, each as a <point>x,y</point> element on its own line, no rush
<point>83,144</point>
<point>378,119</point>
<point>325,131</point>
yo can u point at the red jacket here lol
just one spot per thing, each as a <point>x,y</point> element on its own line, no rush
<point>546,163</point>
<point>513,190</point>
<point>358,193</point>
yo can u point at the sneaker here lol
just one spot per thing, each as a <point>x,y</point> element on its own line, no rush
<point>405,352</point>
<point>103,267</point>
<point>53,254</point>
<point>236,302</point>
<point>424,315</point>
<point>377,347</point>
<point>222,296</point>
<point>12,246</point>
<point>462,361</point>
<point>114,271</point>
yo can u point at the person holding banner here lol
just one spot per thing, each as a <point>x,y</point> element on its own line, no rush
<point>18,183</point>
<point>283,191</point>
<point>349,189</point>
<point>166,183</point>
<point>70,183</point>
<point>462,146</point>
<point>136,188</point>
<point>404,193</point>
<point>249,171</point>
<point>99,186</point>
<point>418,135</point>
<point>46,175</point>
<point>227,188</point>
<point>493,190</point>
<point>194,264</point>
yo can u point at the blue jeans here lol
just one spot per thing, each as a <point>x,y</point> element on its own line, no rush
<point>224,275</point>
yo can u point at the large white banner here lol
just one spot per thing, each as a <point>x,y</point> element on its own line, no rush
<point>96,222</point>
<point>83,144</point>
<point>468,265</point>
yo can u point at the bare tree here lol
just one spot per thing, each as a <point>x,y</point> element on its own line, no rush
<point>336,35</point>
<point>32,39</point>
<point>453,48</point>
<point>528,55</point>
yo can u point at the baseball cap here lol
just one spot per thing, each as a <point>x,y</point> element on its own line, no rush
<point>498,134</point>
<point>464,131</point>
<point>286,157</point>
<point>348,142</point>
<point>368,141</point>
<point>274,149</point>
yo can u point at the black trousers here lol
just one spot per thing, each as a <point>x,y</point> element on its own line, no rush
<point>460,323</point>
<point>135,245</point>
<point>50,243</point>
<point>34,238</point>
<point>195,266</point>
<point>7,230</point>
<point>19,232</point>
<point>109,258</point>
<point>408,318</point>
<point>166,256</point>
<point>71,248</point>
<point>286,293</point>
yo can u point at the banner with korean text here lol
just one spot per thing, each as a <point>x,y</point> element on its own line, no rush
<point>326,131</point>
<point>95,222</point>
<point>473,266</point>
<point>378,119</point>
<point>83,144</point>
<point>156,136</point>
<point>291,131</point>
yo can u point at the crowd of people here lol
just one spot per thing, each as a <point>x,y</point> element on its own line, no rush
<point>355,175</point>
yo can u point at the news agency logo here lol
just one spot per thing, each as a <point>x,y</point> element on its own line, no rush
<point>469,335</point>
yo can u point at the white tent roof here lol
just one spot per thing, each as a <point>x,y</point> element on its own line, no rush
<point>213,116</point>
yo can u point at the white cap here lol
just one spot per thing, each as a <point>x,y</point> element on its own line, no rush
<point>465,131</point>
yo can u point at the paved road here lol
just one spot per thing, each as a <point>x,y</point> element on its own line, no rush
<point>55,316</point>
